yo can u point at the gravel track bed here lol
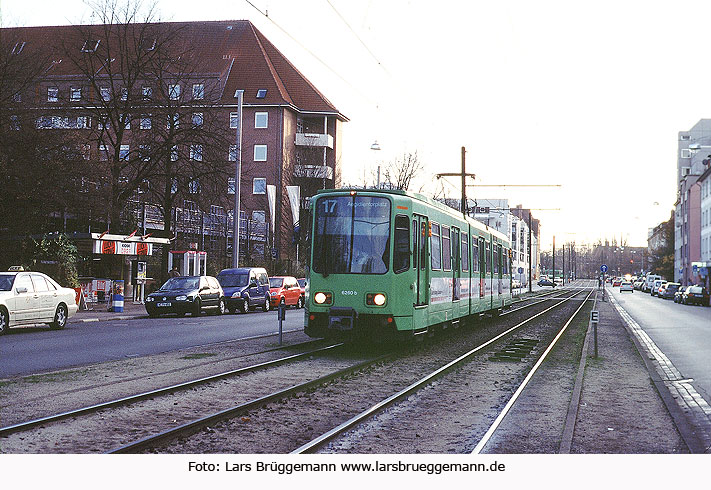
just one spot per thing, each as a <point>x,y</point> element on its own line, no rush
<point>452,414</point>
<point>114,427</point>
<point>30,397</point>
<point>283,426</point>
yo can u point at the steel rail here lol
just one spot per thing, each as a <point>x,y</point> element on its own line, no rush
<point>322,439</point>
<point>23,426</point>
<point>490,432</point>
<point>192,426</point>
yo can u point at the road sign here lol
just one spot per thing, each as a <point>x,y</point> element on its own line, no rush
<point>603,268</point>
<point>594,316</point>
<point>520,270</point>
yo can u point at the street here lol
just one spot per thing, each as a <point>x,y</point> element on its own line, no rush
<point>682,332</point>
<point>37,349</point>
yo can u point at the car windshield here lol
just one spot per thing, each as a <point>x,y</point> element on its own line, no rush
<point>275,282</point>
<point>177,283</point>
<point>233,280</point>
<point>302,282</point>
<point>352,235</point>
<point>6,281</point>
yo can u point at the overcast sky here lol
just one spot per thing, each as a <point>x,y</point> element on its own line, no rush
<point>586,95</point>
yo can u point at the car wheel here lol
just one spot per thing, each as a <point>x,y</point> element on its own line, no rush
<point>221,309</point>
<point>4,321</point>
<point>267,304</point>
<point>197,308</point>
<point>300,304</point>
<point>60,318</point>
<point>245,305</point>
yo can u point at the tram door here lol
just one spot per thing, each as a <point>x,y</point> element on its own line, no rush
<point>456,265</point>
<point>420,237</point>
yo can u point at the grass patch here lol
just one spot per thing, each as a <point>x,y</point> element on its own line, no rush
<point>52,377</point>
<point>200,355</point>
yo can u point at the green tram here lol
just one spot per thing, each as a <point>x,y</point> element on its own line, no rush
<point>387,263</point>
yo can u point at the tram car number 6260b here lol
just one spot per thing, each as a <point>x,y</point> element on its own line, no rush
<point>388,263</point>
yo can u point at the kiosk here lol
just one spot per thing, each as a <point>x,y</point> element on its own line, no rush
<point>188,262</point>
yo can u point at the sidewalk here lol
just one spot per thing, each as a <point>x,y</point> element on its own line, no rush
<point>100,313</point>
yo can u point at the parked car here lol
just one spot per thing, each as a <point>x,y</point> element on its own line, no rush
<point>649,282</point>
<point>302,285</point>
<point>245,288</point>
<point>545,282</point>
<point>638,284</point>
<point>626,286</point>
<point>695,295</point>
<point>33,297</point>
<point>679,293</point>
<point>655,287</point>
<point>285,290</point>
<point>670,290</point>
<point>187,294</point>
<point>661,289</point>
<point>616,282</point>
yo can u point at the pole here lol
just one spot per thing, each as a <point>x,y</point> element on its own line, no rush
<point>553,261</point>
<point>238,177</point>
<point>563,264</point>
<point>530,241</point>
<point>464,184</point>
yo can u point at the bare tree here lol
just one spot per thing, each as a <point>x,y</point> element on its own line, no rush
<point>398,173</point>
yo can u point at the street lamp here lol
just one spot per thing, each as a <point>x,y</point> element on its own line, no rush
<point>376,147</point>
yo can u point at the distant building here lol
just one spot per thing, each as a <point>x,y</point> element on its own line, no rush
<point>693,157</point>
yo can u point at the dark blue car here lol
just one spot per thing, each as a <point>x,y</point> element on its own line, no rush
<point>245,288</point>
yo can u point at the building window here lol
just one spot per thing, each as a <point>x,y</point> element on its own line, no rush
<point>105,93</point>
<point>17,97</point>
<point>52,94</point>
<point>15,122</point>
<point>197,120</point>
<point>685,153</point>
<point>126,121</point>
<point>234,120</point>
<point>147,92</point>
<point>260,153</point>
<point>86,152</point>
<point>232,157</point>
<point>146,121</point>
<point>259,216</point>
<point>90,46</point>
<point>124,94</point>
<point>198,91</point>
<point>259,186</point>
<point>173,121</point>
<point>231,185</point>
<point>18,48</point>
<point>83,122</point>
<point>75,94</point>
<point>261,93</point>
<point>194,186</point>
<point>103,153</point>
<point>261,120</point>
<point>144,153</point>
<point>123,153</point>
<point>196,153</point>
<point>174,153</point>
<point>174,91</point>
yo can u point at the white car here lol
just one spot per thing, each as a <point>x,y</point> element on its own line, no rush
<point>33,297</point>
<point>626,286</point>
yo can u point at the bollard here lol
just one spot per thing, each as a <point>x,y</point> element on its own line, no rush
<point>282,316</point>
<point>118,297</point>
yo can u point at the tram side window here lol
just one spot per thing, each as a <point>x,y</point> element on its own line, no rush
<point>465,252</point>
<point>414,244</point>
<point>497,253</point>
<point>436,248</point>
<point>487,257</point>
<point>401,257</point>
<point>475,254</point>
<point>446,249</point>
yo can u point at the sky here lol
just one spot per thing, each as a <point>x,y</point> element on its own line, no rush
<point>583,101</point>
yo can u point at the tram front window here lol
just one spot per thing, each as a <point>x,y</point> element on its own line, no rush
<point>352,235</point>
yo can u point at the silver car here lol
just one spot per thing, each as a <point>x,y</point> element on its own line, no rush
<point>33,297</point>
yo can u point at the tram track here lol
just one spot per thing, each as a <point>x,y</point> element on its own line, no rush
<point>190,423</point>
<point>268,410</point>
<point>426,381</point>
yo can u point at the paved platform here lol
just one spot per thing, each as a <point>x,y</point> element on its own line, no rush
<point>100,312</point>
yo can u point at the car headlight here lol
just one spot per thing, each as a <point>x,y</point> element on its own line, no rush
<point>181,298</point>
<point>149,299</point>
<point>322,298</point>
<point>237,294</point>
<point>377,299</point>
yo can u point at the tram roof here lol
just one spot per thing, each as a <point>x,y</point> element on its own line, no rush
<point>420,197</point>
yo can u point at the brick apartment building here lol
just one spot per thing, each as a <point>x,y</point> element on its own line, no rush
<point>291,134</point>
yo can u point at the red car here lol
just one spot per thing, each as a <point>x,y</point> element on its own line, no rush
<point>616,282</point>
<point>285,289</point>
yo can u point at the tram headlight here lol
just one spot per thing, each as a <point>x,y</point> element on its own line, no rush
<point>375,299</point>
<point>322,298</point>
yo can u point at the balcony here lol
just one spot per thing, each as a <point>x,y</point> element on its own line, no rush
<point>314,140</point>
<point>313,171</point>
